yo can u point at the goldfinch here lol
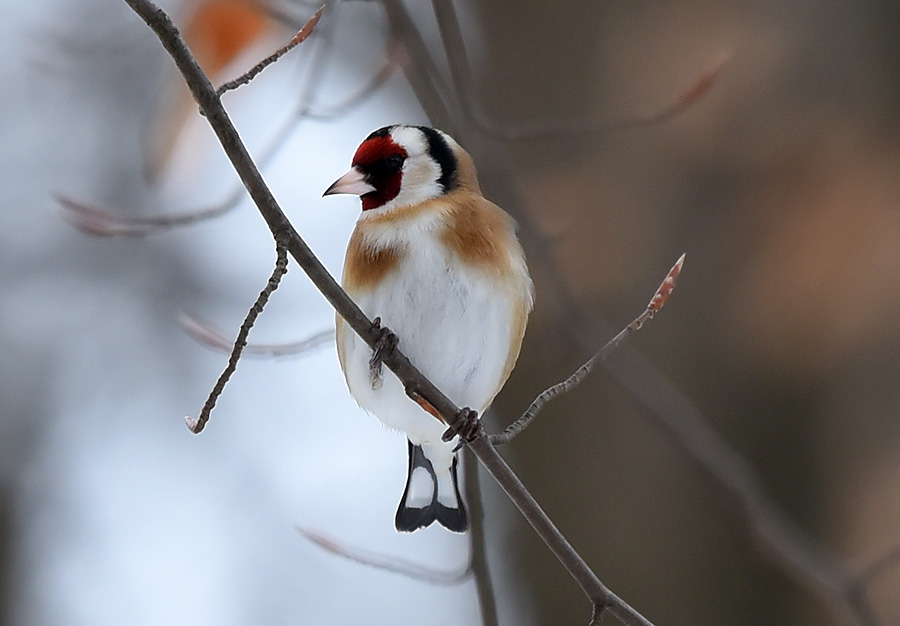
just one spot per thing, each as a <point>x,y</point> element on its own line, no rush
<point>442,268</point>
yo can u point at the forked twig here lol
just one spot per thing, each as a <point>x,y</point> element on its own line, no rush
<point>254,71</point>
<point>657,302</point>
<point>210,337</point>
<point>281,262</point>
<point>393,564</point>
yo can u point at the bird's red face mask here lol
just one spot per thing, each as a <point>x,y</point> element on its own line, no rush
<point>377,173</point>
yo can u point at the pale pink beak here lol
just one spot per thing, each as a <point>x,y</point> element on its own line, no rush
<point>353,182</point>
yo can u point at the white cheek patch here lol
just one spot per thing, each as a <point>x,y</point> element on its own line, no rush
<point>420,180</point>
<point>421,173</point>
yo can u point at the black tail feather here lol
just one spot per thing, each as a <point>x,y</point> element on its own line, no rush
<point>409,519</point>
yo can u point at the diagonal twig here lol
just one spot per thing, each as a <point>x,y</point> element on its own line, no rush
<point>212,338</point>
<point>254,71</point>
<point>462,79</point>
<point>198,424</point>
<point>685,99</point>
<point>108,222</point>
<point>657,302</point>
<point>387,563</point>
<point>481,574</point>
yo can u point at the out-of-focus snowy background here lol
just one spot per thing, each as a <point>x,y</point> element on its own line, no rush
<point>782,184</point>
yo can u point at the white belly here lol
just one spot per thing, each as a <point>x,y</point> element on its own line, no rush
<point>454,324</point>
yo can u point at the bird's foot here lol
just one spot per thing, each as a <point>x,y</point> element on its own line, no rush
<point>384,345</point>
<point>467,425</point>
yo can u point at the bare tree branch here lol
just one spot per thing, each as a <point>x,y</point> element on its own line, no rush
<point>197,425</point>
<point>420,70</point>
<point>416,384</point>
<point>393,564</point>
<point>462,78</point>
<point>203,333</point>
<point>656,303</point>
<point>484,587</point>
<point>685,99</point>
<point>352,101</point>
<point>253,72</point>
<point>109,222</point>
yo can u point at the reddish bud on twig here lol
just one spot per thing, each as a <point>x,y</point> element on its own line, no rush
<point>656,303</point>
<point>667,286</point>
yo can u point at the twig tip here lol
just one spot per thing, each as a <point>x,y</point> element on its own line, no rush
<point>666,287</point>
<point>192,424</point>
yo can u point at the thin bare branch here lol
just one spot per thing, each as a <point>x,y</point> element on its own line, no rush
<point>484,587</point>
<point>351,102</point>
<point>289,13</point>
<point>420,69</point>
<point>387,563</point>
<point>462,77</point>
<point>204,333</point>
<point>544,129</point>
<point>656,303</point>
<point>415,383</point>
<point>282,230</point>
<point>109,222</point>
<point>197,425</point>
<point>253,72</point>
<point>685,99</point>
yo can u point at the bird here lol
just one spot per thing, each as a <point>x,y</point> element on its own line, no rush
<point>440,266</point>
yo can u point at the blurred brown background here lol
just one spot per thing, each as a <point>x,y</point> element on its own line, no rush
<point>782,185</point>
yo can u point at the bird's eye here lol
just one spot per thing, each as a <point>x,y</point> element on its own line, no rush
<point>394,163</point>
